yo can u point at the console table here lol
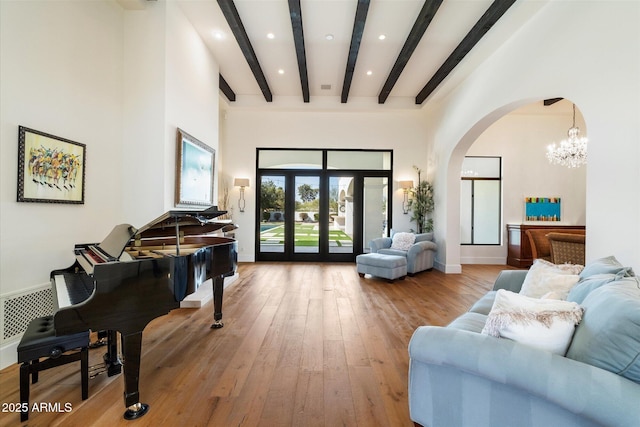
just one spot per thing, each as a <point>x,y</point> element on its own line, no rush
<point>518,247</point>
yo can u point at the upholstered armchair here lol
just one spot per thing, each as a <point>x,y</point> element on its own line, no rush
<point>420,253</point>
<point>540,244</point>
<point>567,248</point>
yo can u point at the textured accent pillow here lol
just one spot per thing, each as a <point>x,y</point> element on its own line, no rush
<point>606,265</point>
<point>544,277</point>
<point>546,324</point>
<point>609,335</point>
<point>403,241</point>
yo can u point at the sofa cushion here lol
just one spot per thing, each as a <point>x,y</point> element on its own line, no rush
<point>580,291</point>
<point>606,265</point>
<point>546,324</point>
<point>403,241</point>
<point>472,322</point>
<point>544,277</point>
<point>609,335</point>
<point>484,304</point>
<point>424,237</point>
<point>389,251</point>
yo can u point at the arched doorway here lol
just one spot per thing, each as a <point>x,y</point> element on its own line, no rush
<point>519,134</point>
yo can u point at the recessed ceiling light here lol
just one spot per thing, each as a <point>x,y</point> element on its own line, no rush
<point>329,36</point>
<point>369,73</point>
<point>271,36</point>
<point>280,71</point>
<point>382,37</point>
<point>218,35</point>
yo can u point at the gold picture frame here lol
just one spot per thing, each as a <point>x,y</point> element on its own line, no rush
<point>195,167</point>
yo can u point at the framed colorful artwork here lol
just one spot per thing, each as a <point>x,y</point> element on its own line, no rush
<point>51,169</point>
<point>542,209</point>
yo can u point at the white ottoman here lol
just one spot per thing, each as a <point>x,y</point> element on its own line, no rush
<point>389,267</point>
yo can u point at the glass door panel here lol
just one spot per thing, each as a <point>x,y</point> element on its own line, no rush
<point>272,204</point>
<point>340,216</point>
<point>307,214</point>
<point>374,219</point>
<point>466,212</point>
<point>486,212</point>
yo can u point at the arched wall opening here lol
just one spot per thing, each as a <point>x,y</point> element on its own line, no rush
<point>600,75</point>
<point>518,133</point>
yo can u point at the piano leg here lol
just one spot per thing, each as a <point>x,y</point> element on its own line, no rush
<point>132,349</point>
<point>111,359</point>
<point>218,289</point>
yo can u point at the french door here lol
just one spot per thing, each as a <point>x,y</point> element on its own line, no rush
<point>320,215</point>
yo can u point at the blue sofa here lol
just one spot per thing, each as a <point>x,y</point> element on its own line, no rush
<point>461,377</point>
<point>420,255</point>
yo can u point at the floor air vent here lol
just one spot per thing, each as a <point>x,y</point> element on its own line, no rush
<point>19,310</point>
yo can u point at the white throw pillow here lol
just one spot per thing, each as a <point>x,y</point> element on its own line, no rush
<point>546,324</point>
<point>544,277</point>
<point>403,241</point>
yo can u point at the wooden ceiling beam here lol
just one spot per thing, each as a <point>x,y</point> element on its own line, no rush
<point>421,24</point>
<point>235,23</point>
<point>226,89</point>
<point>551,101</point>
<point>356,38</point>
<point>484,24</point>
<point>295,11</point>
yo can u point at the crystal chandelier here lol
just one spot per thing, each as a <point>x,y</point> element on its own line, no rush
<point>572,152</point>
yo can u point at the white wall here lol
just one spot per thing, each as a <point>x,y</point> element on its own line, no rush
<point>587,52</point>
<point>119,81</point>
<point>171,82</point>
<point>244,130</point>
<point>192,94</point>
<point>144,114</point>
<point>521,139</point>
<point>61,66</point>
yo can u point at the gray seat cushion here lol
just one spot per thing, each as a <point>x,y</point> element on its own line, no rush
<point>381,260</point>
<point>387,266</point>
<point>394,252</point>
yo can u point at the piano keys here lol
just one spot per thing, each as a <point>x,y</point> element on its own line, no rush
<point>80,285</point>
<point>134,276</point>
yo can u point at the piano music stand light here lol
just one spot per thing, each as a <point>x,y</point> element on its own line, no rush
<point>40,340</point>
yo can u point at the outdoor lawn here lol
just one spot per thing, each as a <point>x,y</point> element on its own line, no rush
<point>305,235</point>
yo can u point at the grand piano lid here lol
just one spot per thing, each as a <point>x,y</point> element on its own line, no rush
<point>186,222</point>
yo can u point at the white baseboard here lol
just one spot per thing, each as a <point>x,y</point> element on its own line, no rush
<point>484,260</point>
<point>9,353</point>
<point>204,294</point>
<point>448,268</point>
<point>246,258</point>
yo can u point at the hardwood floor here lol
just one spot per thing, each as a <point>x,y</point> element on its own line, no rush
<point>302,345</point>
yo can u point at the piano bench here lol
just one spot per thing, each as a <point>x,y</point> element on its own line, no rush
<point>40,340</point>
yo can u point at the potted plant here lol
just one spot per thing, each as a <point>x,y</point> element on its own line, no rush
<point>421,204</point>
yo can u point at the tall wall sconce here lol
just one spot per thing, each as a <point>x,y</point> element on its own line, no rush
<point>242,183</point>
<point>406,186</point>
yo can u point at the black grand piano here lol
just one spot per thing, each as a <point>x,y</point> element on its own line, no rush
<point>135,275</point>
